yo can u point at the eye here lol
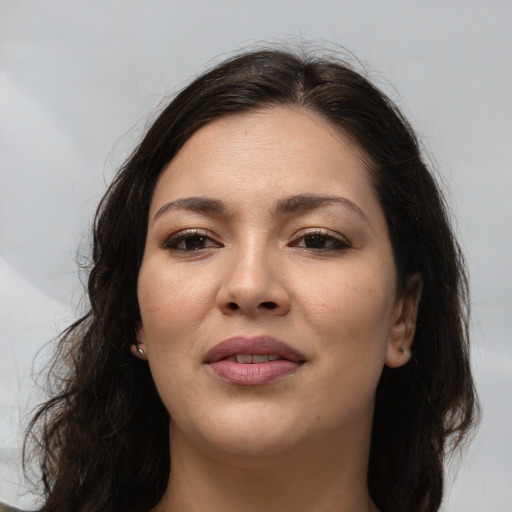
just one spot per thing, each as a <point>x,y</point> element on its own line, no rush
<point>191,240</point>
<point>321,240</point>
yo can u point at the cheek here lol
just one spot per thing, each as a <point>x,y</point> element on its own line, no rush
<point>172,303</point>
<point>173,306</point>
<point>350,317</point>
<point>352,304</point>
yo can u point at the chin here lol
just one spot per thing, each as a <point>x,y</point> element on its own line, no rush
<point>245,438</point>
<point>252,451</point>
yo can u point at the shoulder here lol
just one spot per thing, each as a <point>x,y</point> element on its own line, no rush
<point>7,508</point>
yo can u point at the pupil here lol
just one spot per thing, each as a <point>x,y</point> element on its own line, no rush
<point>194,242</point>
<point>315,242</point>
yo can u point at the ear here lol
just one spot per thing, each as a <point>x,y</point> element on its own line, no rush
<point>402,331</point>
<point>138,349</point>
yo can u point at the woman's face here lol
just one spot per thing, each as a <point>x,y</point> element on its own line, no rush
<point>267,289</point>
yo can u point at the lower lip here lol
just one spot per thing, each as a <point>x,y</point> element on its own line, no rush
<point>253,374</point>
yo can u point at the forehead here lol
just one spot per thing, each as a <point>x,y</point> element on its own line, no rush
<point>263,155</point>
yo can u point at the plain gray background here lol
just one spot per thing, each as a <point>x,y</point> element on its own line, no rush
<point>79,78</point>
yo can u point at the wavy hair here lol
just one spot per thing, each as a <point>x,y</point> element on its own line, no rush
<point>101,440</point>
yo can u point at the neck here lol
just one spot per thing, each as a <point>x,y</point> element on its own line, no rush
<point>321,477</point>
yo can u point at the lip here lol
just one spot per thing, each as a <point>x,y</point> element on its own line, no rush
<point>253,374</point>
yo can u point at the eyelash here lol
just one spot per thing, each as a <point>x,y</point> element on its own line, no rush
<point>338,243</point>
<point>173,241</point>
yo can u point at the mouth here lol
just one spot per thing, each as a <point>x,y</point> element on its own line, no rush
<point>254,358</point>
<point>253,361</point>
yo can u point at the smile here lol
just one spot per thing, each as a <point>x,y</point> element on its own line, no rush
<point>253,361</point>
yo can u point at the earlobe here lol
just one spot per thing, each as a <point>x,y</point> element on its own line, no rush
<point>138,348</point>
<point>402,331</point>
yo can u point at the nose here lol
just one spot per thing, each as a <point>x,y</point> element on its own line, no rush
<point>253,285</point>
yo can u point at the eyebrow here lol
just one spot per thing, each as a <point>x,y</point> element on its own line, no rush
<point>197,204</point>
<point>308,202</point>
<point>300,203</point>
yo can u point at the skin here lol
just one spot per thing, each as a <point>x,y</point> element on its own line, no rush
<point>301,442</point>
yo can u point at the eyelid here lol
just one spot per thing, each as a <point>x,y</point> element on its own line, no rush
<point>169,239</point>
<point>327,233</point>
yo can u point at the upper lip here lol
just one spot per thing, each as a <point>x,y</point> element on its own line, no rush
<point>254,345</point>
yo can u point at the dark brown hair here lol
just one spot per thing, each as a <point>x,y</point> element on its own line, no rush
<point>102,437</point>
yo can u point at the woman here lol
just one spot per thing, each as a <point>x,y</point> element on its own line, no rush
<point>278,310</point>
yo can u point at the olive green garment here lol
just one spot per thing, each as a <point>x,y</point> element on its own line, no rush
<point>7,508</point>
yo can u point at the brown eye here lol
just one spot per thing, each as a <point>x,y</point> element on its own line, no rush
<point>321,241</point>
<point>190,241</point>
<point>318,242</point>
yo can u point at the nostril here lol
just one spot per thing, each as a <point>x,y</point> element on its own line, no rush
<point>233,306</point>
<point>268,305</point>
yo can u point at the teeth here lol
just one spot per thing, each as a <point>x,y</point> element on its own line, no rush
<point>256,358</point>
<point>263,358</point>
